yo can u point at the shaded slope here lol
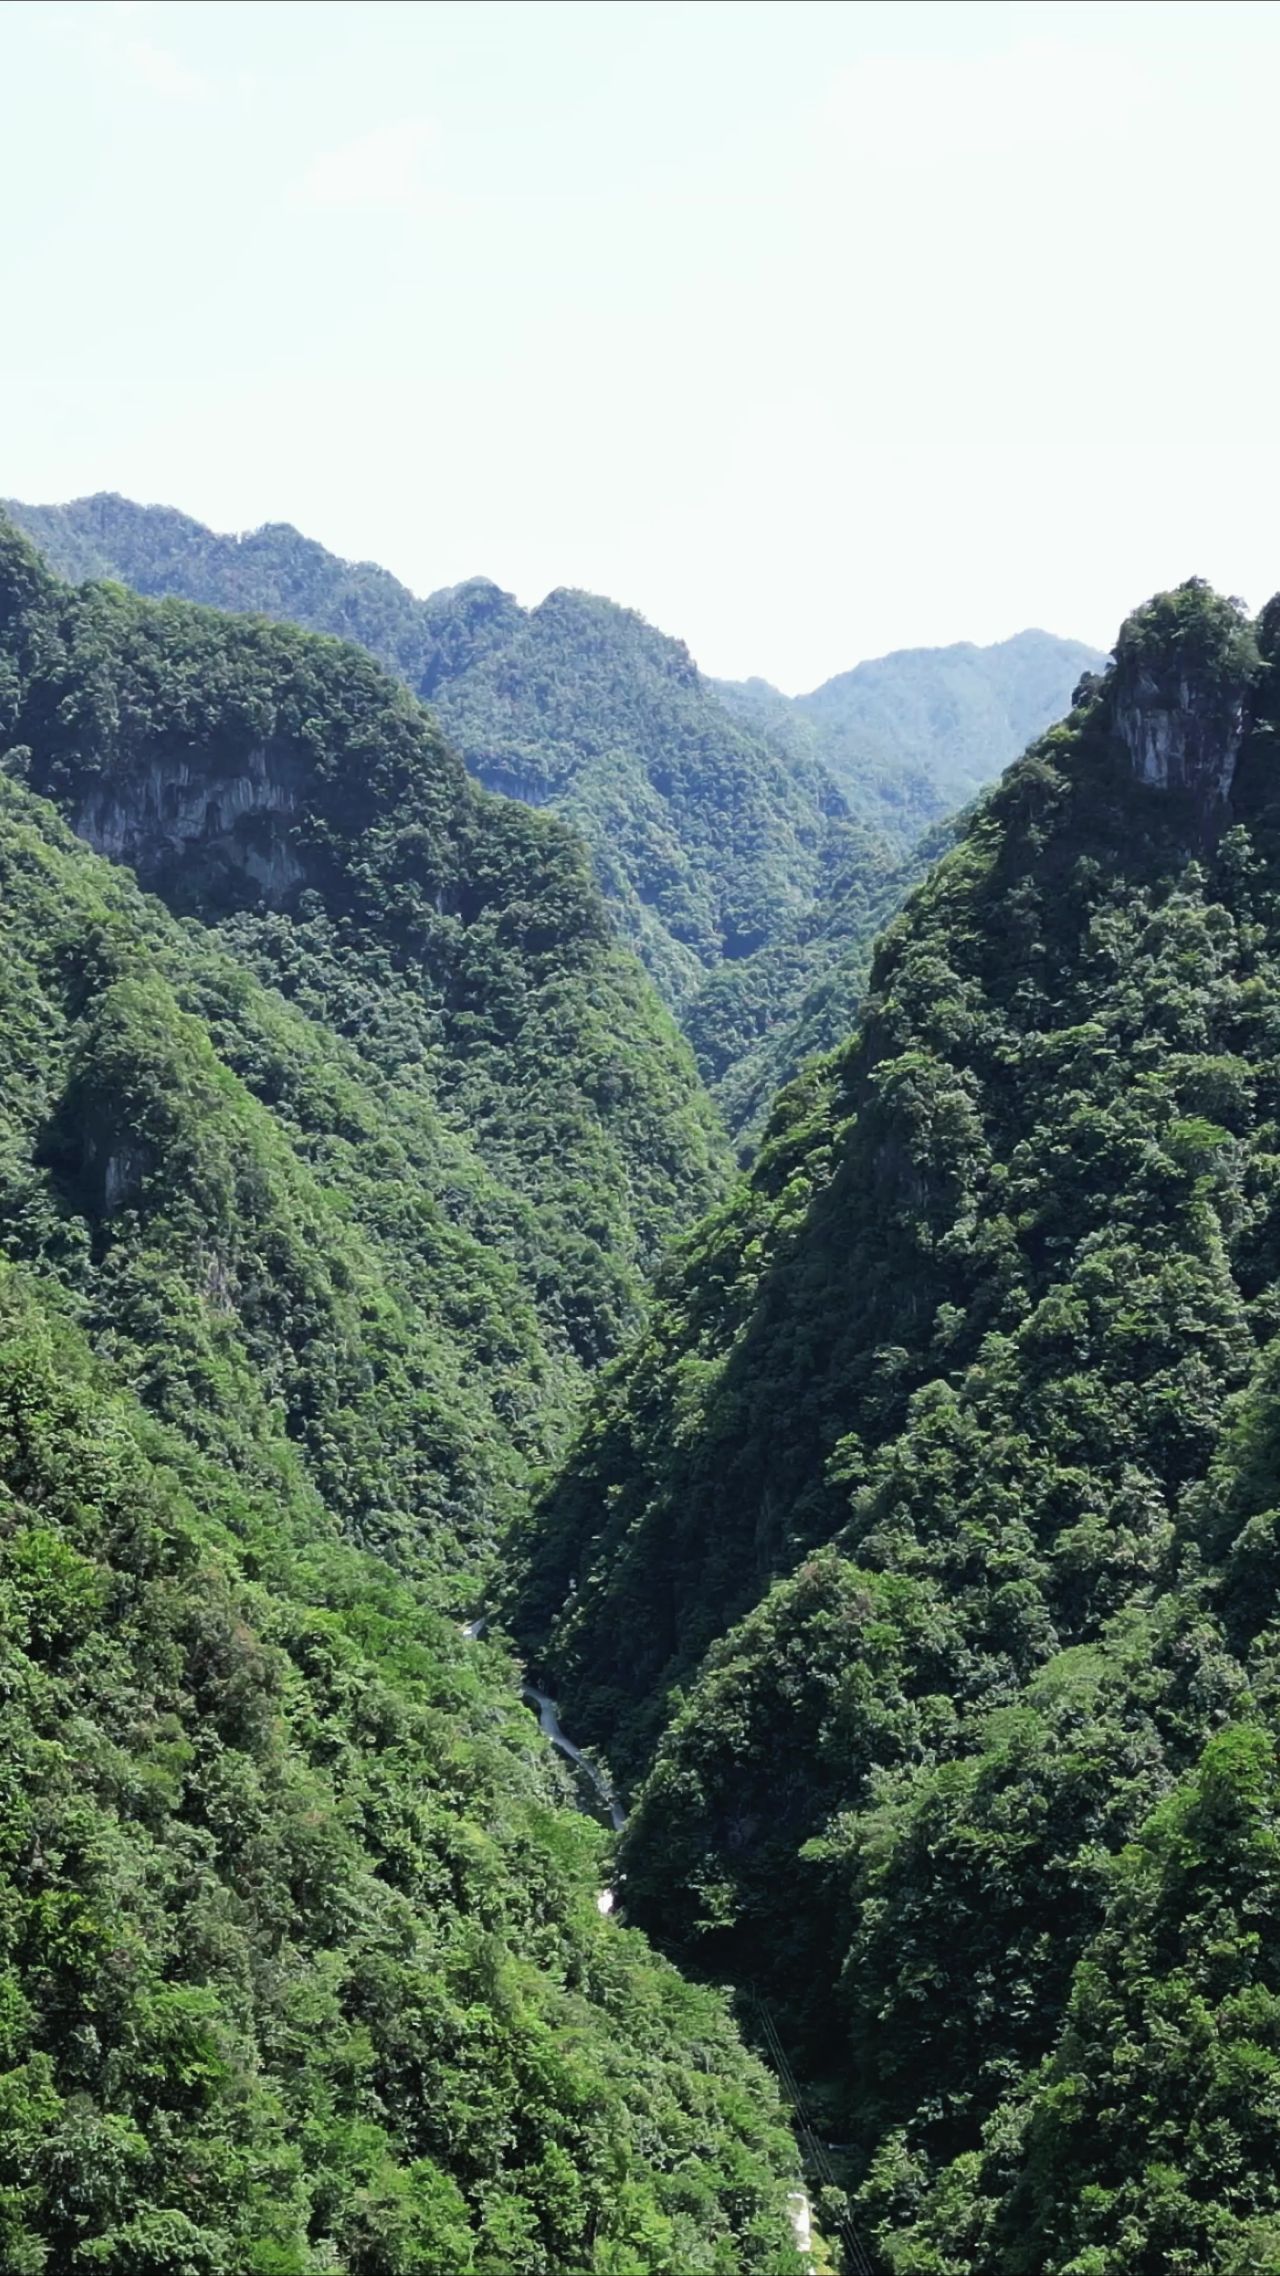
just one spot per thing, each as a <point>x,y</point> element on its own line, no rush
<point>917,1564</point>
<point>284,789</point>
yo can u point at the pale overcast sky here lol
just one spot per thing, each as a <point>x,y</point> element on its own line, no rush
<point>809,330</point>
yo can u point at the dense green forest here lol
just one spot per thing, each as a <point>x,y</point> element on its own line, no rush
<point>917,1566</point>
<point>913,737</point>
<point>907,1546</point>
<point>301,1966</point>
<point>749,848</point>
<point>288,792</point>
<point>708,846</point>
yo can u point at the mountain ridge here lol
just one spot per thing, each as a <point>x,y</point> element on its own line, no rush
<point>915,1567</point>
<point>913,736</point>
<point>302,1968</point>
<point>723,851</point>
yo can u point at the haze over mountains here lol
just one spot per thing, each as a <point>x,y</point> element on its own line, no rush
<point>749,846</point>
<point>915,736</point>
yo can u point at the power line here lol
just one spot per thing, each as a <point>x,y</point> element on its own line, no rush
<point>812,2148</point>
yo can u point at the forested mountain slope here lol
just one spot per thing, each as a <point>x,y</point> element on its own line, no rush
<point>301,1969</point>
<point>913,737</point>
<point>727,852</point>
<point>709,846</point>
<point>919,1565</point>
<point>287,792</point>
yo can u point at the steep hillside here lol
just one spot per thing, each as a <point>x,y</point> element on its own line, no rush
<point>754,1025</point>
<point>913,737</point>
<point>918,1565</point>
<point>728,858</point>
<point>301,1967</point>
<point>284,790</point>
<point>708,845</point>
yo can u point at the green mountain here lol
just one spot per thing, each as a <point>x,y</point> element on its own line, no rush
<point>917,1567</point>
<point>750,848</point>
<point>301,1966</point>
<point>286,790</point>
<point>708,845</point>
<point>913,737</point>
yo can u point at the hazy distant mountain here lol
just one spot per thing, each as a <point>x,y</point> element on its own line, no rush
<point>914,736</point>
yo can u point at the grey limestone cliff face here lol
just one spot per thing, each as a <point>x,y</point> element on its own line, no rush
<point>157,818</point>
<point>1182,731</point>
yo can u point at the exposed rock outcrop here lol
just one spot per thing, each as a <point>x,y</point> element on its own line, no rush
<point>156,817</point>
<point>1180,694</point>
<point>1181,735</point>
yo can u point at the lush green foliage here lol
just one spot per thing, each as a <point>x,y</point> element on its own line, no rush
<point>913,737</point>
<point>301,1969</point>
<point>271,1271</point>
<point>721,841</point>
<point>709,845</point>
<point>919,1564</point>
<point>754,1025</point>
<point>284,787</point>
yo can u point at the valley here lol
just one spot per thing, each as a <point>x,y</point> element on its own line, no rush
<point>749,848</point>
<point>889,1520</point>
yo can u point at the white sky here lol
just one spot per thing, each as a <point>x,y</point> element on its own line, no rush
<point>810,330</point>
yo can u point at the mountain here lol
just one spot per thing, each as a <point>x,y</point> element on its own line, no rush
<point>917,1567</point>
<point>749,847</point>
<point>913,737</point>
<point>708,845</point>
<point>288,792</point>
<point>754,1025</point>
<point>301,1963</point>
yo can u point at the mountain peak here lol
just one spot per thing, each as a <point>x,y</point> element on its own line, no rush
<point>1185,664</point>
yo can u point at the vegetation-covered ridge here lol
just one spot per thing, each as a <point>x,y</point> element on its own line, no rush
<point>301,1968</point>
<point>728,854</point>
<point>913,737</point>
<point>918,1565</point>
<point>284,790</point>
<point>709,846</point>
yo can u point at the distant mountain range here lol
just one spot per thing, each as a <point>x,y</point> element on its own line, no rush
<point>750,844</point>
<point>916,735</point>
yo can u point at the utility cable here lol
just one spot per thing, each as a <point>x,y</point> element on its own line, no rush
<point>812,2147</point>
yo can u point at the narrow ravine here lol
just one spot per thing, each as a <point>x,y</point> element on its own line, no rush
<point>551,1728</point>
<point>549,1723</point>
